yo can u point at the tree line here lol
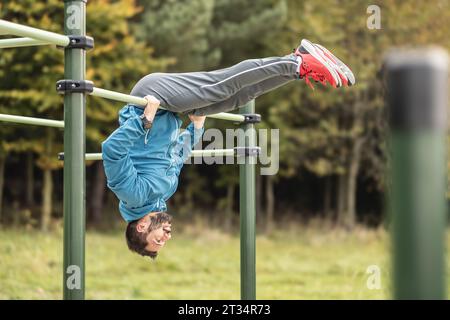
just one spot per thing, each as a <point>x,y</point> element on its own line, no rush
<point>332,142</point>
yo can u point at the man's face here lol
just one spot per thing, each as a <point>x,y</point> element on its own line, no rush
<point>158,237</point>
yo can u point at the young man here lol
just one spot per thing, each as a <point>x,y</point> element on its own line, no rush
<point>144,156</point>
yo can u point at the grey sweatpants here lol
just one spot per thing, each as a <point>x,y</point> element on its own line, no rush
<point>204,93</point>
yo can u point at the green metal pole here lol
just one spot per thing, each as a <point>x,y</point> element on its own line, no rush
<point>248,212</point>
<point>417,100</point>
<point>74,149</point>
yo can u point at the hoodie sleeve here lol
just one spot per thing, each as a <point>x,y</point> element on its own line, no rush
<point>122,176</point>
<point>186,142</point>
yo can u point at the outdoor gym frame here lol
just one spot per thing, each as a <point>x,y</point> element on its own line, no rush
<point>75,88</point>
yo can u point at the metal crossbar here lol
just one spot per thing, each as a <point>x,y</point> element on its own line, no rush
<point>21,42</point>
<point>12,28</point>
<point>195,153</point>
<point>31,121</point>
<point>113,95</point>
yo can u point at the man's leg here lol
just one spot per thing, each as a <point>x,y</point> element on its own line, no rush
<point>184,92</point>
<point>243,96</point>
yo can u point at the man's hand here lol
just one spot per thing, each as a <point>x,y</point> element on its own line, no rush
<point>151,107</point>
<point>198,121</point>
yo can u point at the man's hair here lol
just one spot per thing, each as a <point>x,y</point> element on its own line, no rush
<point>137,241</point>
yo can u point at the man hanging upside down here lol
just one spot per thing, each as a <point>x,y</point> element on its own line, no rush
<point>144,156</point>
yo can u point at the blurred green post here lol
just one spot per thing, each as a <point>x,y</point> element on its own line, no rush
<point>74,150</point>
<point>247,209</point>
<point>417,101</point>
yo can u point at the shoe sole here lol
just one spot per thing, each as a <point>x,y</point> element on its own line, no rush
<point>309,47</point>
<point>340,65</point>
<point>329,57</point>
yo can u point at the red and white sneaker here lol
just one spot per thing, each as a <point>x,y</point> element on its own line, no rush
<point>343,70</point>
<point>322,66</point>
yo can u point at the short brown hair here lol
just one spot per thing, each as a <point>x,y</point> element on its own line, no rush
<point>137,241</point>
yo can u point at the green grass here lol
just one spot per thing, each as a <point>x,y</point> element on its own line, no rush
<point>299,263</point>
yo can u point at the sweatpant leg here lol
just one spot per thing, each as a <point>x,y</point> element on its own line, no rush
<point>183,92</point>
<point>243,96</point>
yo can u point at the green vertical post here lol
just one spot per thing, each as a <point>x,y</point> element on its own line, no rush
<point>417,101</point>
<point>248,211</point>
<point>74,150</point>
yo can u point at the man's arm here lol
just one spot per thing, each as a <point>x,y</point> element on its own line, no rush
<point>121,174</point>
<point>189,138</point>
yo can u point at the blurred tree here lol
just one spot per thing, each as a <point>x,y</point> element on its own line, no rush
<point>228,179</point>
<point>179,29</point>
<point>244,29</point>
<point>336,136</point>
<point>29,169</point>
<point>116,62</point>
<point>341,133</point>
<point>22,94</point>
<point>2,179</point>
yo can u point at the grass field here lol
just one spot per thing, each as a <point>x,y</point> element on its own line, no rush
<point>299,263</point>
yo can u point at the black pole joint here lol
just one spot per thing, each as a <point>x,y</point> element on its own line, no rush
<point>74,86</point>
<point>61,156</point>
<point>79,42</point>
<point>251,118</point>
<point>247,151</point>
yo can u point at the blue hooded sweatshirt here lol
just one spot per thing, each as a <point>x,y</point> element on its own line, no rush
<point>142,166</point>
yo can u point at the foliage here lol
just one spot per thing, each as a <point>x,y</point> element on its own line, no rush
<point>318,129</point>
